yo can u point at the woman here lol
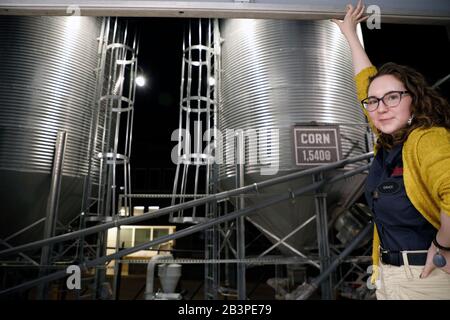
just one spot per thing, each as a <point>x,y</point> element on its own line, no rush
<point>408,186</point>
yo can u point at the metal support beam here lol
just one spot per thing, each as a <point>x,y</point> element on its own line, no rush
<point>271,235</point>
<point>6,244</point>
<point>15,234</point>
<point>282,240</point>
<point>320,200</point>
<point>52,204</point>
<point>188,231</point>
<point>215,197</point>
<point>226,246</point>
<point>240,222</point>
<point>304,291</point>
<point>226,242</point>
<point>411,11</point>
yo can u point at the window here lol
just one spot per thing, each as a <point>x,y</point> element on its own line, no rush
<point>131,236</point>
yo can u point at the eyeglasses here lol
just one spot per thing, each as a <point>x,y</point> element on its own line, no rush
<point>390,99</point>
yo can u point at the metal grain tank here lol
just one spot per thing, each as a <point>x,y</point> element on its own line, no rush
<point>47,83</point>
<point>277,74</point>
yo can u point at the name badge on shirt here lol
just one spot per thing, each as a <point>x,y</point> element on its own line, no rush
<point>389,187</point>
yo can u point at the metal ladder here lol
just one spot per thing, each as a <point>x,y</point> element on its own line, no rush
<point>198,111</point>
<point>212,236</point>
<point>112,117</point>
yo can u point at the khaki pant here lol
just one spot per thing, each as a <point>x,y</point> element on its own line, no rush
<point>404,283</point>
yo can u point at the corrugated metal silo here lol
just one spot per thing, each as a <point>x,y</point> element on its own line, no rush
<point>47,83</point>
<point>276,74</point>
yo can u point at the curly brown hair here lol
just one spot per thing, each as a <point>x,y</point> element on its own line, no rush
<point>428,106</point>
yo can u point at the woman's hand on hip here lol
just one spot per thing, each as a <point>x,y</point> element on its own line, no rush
<point>429,265</point>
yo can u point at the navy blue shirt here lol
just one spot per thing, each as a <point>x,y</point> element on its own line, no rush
<point>400,226</point>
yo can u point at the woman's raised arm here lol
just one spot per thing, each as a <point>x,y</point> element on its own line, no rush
<point>348,29</point>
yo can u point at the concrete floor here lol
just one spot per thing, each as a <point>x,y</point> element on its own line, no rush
<point>132,288</point>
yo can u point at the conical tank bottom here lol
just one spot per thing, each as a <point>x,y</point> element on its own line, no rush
<point>278,221</point>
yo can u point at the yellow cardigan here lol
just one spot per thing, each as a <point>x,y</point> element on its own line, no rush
<point>426,167</point>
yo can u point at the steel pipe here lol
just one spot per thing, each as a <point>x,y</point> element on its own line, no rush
<point>186,232</point>
<point>215,197</point>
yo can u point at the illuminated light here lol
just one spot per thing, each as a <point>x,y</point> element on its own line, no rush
<point>212,81</point>
<point>140,81</point>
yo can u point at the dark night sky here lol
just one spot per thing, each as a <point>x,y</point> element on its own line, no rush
<point>425,48</point>
<point>156,111</point>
